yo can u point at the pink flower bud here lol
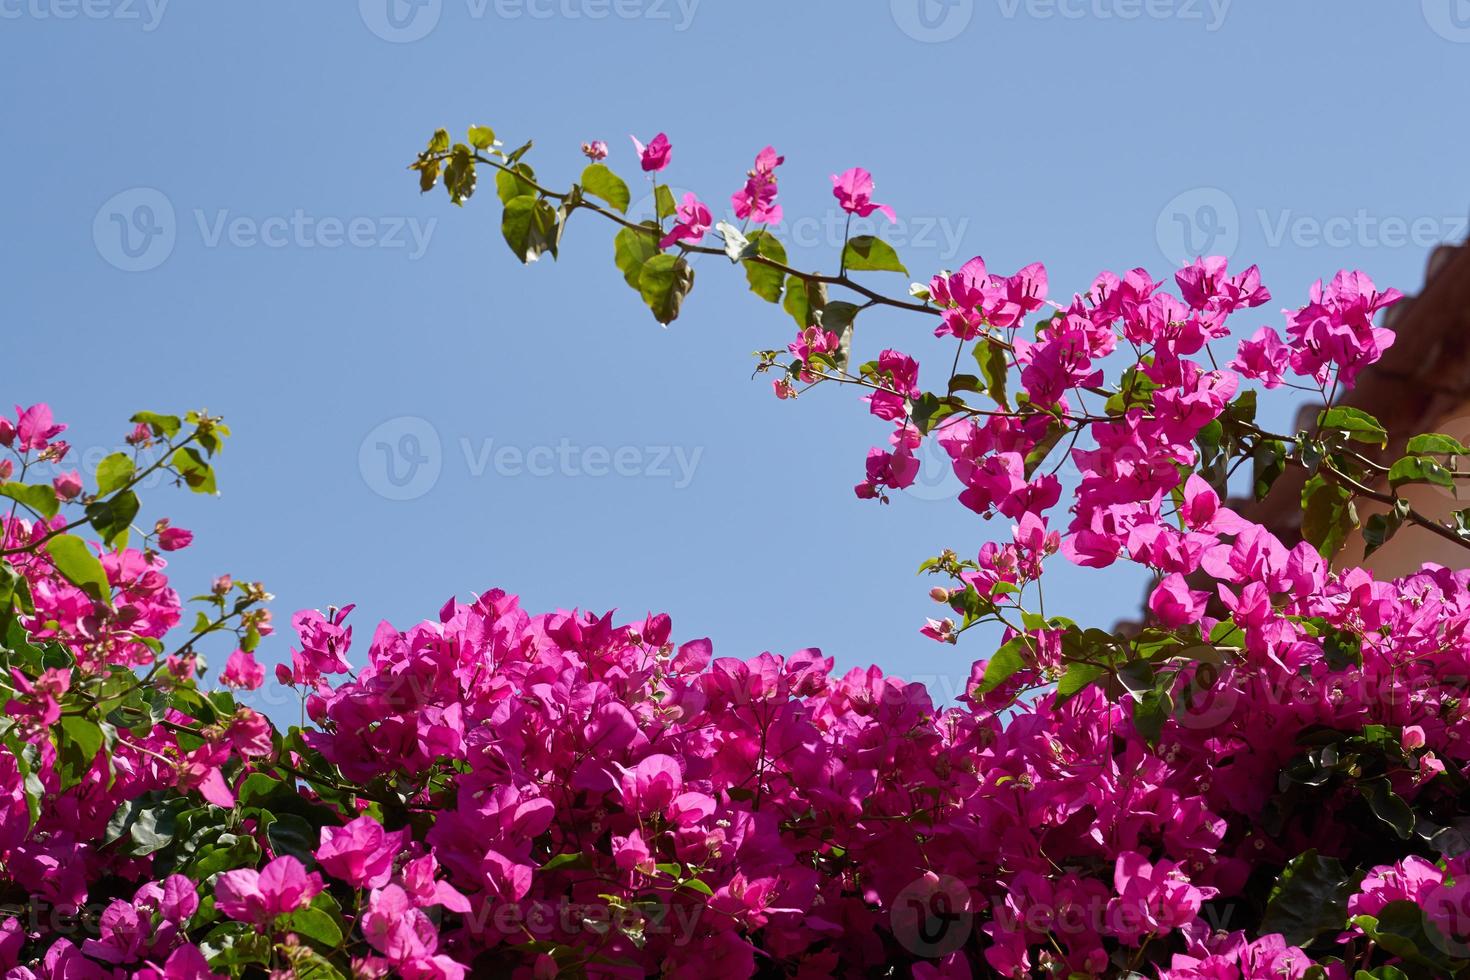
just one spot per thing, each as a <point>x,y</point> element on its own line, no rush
<point>6,469</point>
<point>596,150</point>
<point>174,538</point>
<point>7,432</point>
<point>1413,737</point>
<point>68,485</point>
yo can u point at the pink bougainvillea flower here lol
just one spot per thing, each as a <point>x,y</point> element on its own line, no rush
<point>35,428</point>
<point>360,852</point>
<point>396,928</point>
<point>1152,898</point>
<point>249,733</point>
<point>854,192</point>
<point>692,218</point>
<point>258,897</point>
<point>39,701</point>
<point>756,201</point>
<point>242,671</point>
<point>1175,603</point>
<point>1263,356</point>
<point>652,784</point>
<point>596,150</point>
<point>174,538</point>
<point>68,485</point>
<point>655,156</point>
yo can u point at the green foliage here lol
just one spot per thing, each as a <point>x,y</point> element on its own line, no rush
<point>1309,899</point>
<point>601,182</point>
<point>869,253</point>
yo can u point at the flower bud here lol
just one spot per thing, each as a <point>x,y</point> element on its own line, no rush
<point>68,485</point>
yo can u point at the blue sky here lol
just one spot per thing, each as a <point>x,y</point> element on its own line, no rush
<point>206,206</point>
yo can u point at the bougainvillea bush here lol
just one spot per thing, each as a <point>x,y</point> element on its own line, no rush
<point>1267,779</point>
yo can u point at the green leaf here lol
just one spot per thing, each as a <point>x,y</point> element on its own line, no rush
<point>459,174</point>
<point>198,474</point>
<point>664,282</point>
<point>113,473</point>
<point>1006,662</point>
<point>313,966</point>
<point>257,788</point>
<point>632,248</point>
<point>575,859</point>
<point>1038,454</point>
<point>991,357</point>
<point>75,561</point>
<point>1437,444</point>
<point>869,253</point>
<point>1356,424</point>
<point>1077,677</point>
<point>291,834</point>
<point>152,831</point>
<point>439,142</point>
<point>1420,469</point>
<point>530,227</point>
<point>315,925</point>
<point>112,517</point>
<point>839,317</point>
<point>803,298</point>
<point>765,281</point>
<point>481,137</point>
<point>78,742</point>
<point>1388,806</point>
<point>663,200</point>
<point>165,426</point>
<point>601,182</point>
<point>1309,899</point>
<point>694,884</point>
<point>1151,710</point>
<point>1400,928</point>
<point>1380,528</point>
<point>37,496</point>
<point>1268,461</point>
<point>929,410</point>
<point>514,183</point>
<point>1328,515</point>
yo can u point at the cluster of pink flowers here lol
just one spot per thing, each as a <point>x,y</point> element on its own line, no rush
<point>1266,782</point>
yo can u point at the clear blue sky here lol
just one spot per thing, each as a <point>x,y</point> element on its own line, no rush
<point>287,290</point>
